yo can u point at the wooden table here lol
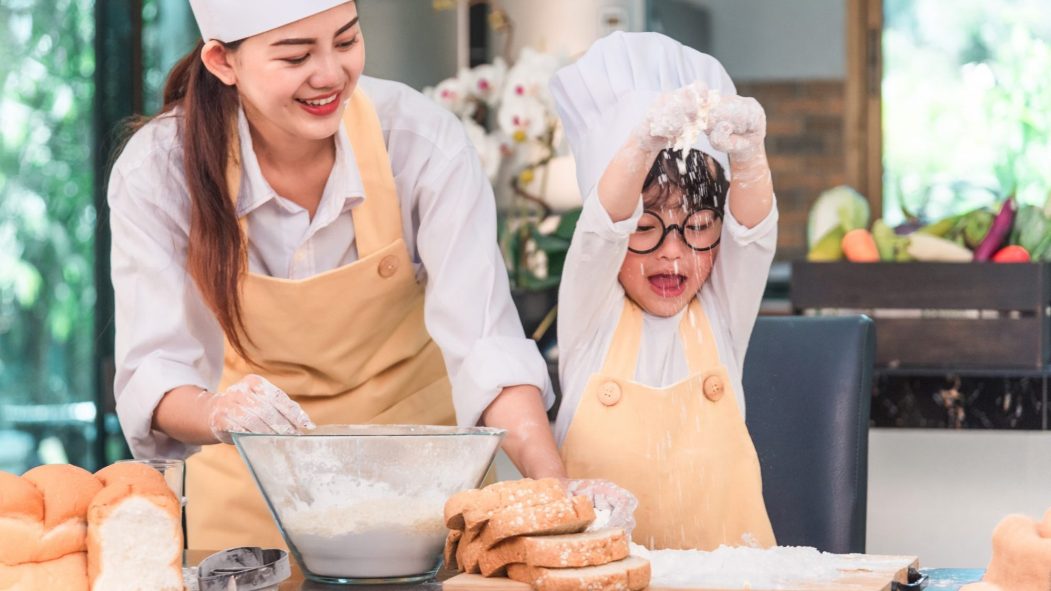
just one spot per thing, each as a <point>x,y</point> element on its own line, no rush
<point>945,579</point>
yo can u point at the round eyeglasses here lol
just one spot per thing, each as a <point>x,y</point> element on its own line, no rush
<point>700,231</point>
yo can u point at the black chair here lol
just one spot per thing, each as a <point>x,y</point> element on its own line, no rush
<point>808,386</point>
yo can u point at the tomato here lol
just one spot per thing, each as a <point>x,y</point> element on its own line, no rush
<point>1011,254</point>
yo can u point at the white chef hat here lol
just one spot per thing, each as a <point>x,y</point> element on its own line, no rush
<point>232,20</point>
<point>606,93</point>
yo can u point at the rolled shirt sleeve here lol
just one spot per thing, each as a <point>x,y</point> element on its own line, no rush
<point>165,335</point>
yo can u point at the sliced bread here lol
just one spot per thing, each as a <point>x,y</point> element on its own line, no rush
<point>471,509</point>
<point>629,574</point>
<point>561,516</point>
<point>452,541</point>
<point>556,551</point>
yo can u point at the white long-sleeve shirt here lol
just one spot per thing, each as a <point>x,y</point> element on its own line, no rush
<point>591,299</point>
<point>167,337</point>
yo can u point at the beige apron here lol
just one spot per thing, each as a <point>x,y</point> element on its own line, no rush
<point>349,345</point>
<point>683,450</point>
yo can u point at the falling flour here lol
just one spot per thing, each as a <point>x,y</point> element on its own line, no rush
<point>394,536</point>
<point>749,568</point>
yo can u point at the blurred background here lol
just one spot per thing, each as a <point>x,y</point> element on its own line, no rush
<point>927,109</point>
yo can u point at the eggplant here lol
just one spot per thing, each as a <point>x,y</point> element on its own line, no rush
<point>998,232</point>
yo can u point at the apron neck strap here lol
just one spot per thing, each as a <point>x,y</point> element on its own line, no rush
<point>377,221</point>
<point>694,329</point>
<point>623,355</point>
<point>698,340</point>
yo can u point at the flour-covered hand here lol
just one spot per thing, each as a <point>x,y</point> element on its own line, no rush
<point>614,506</point>
<point>253,405</point>
<point>737,126</point>
<point>676,118</point>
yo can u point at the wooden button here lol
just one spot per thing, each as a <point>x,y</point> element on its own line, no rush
<point>388,266</point>
<point>609,393</point>
<point>713,388</point>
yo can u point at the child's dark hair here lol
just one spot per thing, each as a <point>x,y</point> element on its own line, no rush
<point>699,185</point>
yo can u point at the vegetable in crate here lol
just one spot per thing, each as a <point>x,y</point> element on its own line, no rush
<point>891,245</point>
<point>924,247</point>
<point>998,233</point>
<point>859,246</point>
<point>841,207</point>
<point>1032,231</point>
<point>1011,254</point>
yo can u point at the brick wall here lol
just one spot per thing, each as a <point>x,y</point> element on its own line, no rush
<point>804,143</point>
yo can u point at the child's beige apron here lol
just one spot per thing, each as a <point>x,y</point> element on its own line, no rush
<point>348,345</point>
<point>683,450</point>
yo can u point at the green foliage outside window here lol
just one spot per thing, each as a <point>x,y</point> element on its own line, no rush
<point>47,229</point>
<point>967,104</point>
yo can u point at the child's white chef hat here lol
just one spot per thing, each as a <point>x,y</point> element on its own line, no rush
<point>605,94</point>
<point>231,20</point>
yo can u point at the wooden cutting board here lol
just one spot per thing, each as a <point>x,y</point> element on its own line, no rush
<point>867,572</point>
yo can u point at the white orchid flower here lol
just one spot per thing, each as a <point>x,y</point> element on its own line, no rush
<point>486,82</point>
<point>451,94</point>
<point>523,118</point>
<point>530,75</point>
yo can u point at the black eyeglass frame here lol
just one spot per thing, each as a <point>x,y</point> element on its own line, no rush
<point>666,229</point>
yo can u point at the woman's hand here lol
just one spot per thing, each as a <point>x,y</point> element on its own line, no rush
<point>254,405</point>
<point>614,506</point>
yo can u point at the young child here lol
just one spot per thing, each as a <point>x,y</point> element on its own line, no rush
<point>662,286</point>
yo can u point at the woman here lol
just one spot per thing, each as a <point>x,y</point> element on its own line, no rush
<point>288,235</point>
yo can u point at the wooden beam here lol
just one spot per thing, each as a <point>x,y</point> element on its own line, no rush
<point>863,127</point>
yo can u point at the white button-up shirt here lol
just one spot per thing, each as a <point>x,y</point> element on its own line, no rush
<point>166,336</point>
<point>591,299</point>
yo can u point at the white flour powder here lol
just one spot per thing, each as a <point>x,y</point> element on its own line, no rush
<point>394,536</point>
<point>748,568</point>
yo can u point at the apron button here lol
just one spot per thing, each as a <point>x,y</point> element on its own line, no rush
<point>609,393</point>
<point>713,388</point>
<point>388,266</point>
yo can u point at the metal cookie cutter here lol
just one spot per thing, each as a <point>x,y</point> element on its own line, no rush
<point>243,569</point>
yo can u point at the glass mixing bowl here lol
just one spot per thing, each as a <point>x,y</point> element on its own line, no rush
<point>364,503</point>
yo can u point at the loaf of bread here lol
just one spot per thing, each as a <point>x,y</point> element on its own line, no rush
<point>63,528</point>
<point>42,513</point>
<point>68,573</point>
<point>629,574</point>
<point>67,490</point>
<point>1021,556</point>
<point>558,551</point>
<point>134,532</point>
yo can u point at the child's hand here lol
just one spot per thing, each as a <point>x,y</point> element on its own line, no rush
<point>614,506</point>
<point>737,126</point>
<point>676,118</point>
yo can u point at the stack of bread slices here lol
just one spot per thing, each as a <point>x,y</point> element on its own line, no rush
<point>64,528</point>
<point>533,532</point>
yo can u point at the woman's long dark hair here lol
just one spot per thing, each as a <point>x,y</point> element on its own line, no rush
<point>217,253</point>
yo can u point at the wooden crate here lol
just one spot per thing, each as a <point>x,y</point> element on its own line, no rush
<point>938,315</point>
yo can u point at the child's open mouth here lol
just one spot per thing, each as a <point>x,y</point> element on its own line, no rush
<point>667,285</point>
